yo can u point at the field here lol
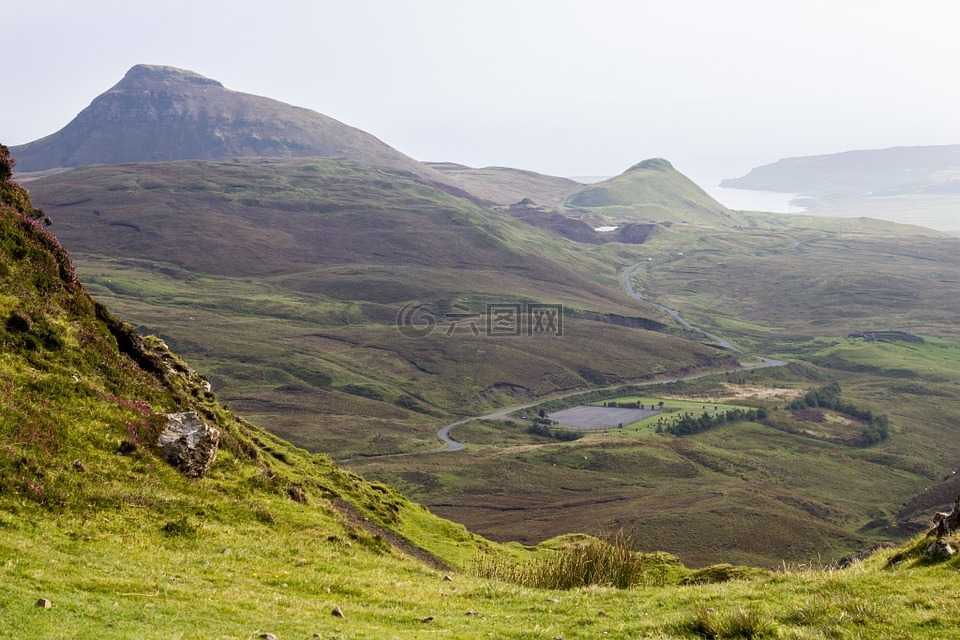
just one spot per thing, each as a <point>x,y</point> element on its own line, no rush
<point>669,409</point>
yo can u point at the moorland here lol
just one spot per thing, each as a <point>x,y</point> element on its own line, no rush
<point>284,281</point>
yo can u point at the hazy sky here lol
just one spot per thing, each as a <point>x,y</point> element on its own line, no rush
<point>561,87</point>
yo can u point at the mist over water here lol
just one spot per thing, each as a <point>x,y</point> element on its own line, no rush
<point>946,221</point>
<point>747,200</point>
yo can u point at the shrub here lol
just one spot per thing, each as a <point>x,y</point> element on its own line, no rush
<point>181,528</point>
<point>751,621</point>
<point>611,563</point>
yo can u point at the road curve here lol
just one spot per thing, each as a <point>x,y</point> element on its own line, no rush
<point>451,445</point>
<point>628,283</point>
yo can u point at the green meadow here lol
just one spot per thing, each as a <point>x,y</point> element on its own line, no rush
<point>670,409</point>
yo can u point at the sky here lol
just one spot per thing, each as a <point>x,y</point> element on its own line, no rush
<point>570,88</point>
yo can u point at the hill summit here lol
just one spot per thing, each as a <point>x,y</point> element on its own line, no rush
<point>653,190</point>
<point>160,113</point>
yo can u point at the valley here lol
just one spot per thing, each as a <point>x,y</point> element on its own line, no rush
<point>279,293</point>
<point>414,320</point>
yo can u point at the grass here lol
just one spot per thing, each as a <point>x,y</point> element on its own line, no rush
<point>653,190</point>
<point>580,563</point>
<point>298,334</point>
<point>275,538</point>
<point>670,407</point>
<point>285,578</point>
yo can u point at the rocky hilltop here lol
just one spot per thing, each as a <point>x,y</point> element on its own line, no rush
<point>160,113</point>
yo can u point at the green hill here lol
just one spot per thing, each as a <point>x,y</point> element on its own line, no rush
<point>653,191</point>
<point>101,537</point>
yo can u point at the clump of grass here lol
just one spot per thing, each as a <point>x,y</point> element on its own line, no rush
<point>723,573</point>
<point>594,562</point>
<point>182,527</point>
<point>751,621</point>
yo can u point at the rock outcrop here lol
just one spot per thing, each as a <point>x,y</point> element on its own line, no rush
<point>189,444</point>
<point>947,523</point>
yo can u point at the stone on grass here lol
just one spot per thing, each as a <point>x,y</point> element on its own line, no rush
<point>44,603</point>
<point>940,549</point>
<point>189,444</point>
<point>946,524</point>
<point>337,613</point>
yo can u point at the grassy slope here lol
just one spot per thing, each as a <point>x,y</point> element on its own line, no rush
<point>653,190</point>
<point>504,186</point>
<point>775,290</point>
<point>285,290</point>
<point>123,546</point>
<point>798,294</point>
<point>330,370</point>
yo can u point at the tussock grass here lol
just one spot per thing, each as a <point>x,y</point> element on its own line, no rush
<point>586,563</point>
<point>750,621</point>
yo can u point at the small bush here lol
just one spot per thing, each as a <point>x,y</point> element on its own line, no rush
<point>181,528</point>
<point>751,621</point>
<point>592,563</point>
<point>722,573</point>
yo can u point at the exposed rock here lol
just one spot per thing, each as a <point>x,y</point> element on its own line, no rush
<point>447,579</point>
<point>188,444</point>
<point>940,549</point>
<point>337,613</point>
<point>268,636</point>
<point>44,603</point>
<point>946,523</point>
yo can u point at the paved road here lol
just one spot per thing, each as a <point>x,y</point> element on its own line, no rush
<point>628,283</point>
<point>503,414</point>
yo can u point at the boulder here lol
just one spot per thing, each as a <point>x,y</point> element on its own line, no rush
<point>939,548</point>
<point>189,444</point>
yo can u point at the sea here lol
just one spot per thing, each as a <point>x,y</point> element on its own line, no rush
<point>939,214</point>
<point>749,200</point>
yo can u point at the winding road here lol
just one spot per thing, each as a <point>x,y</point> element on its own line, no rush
<point>451,445</point>
<point>628,283</point>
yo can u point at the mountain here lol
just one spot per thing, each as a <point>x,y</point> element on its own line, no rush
<point>652,191</point>
<point>160,113</point>
<point>875,172</point>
